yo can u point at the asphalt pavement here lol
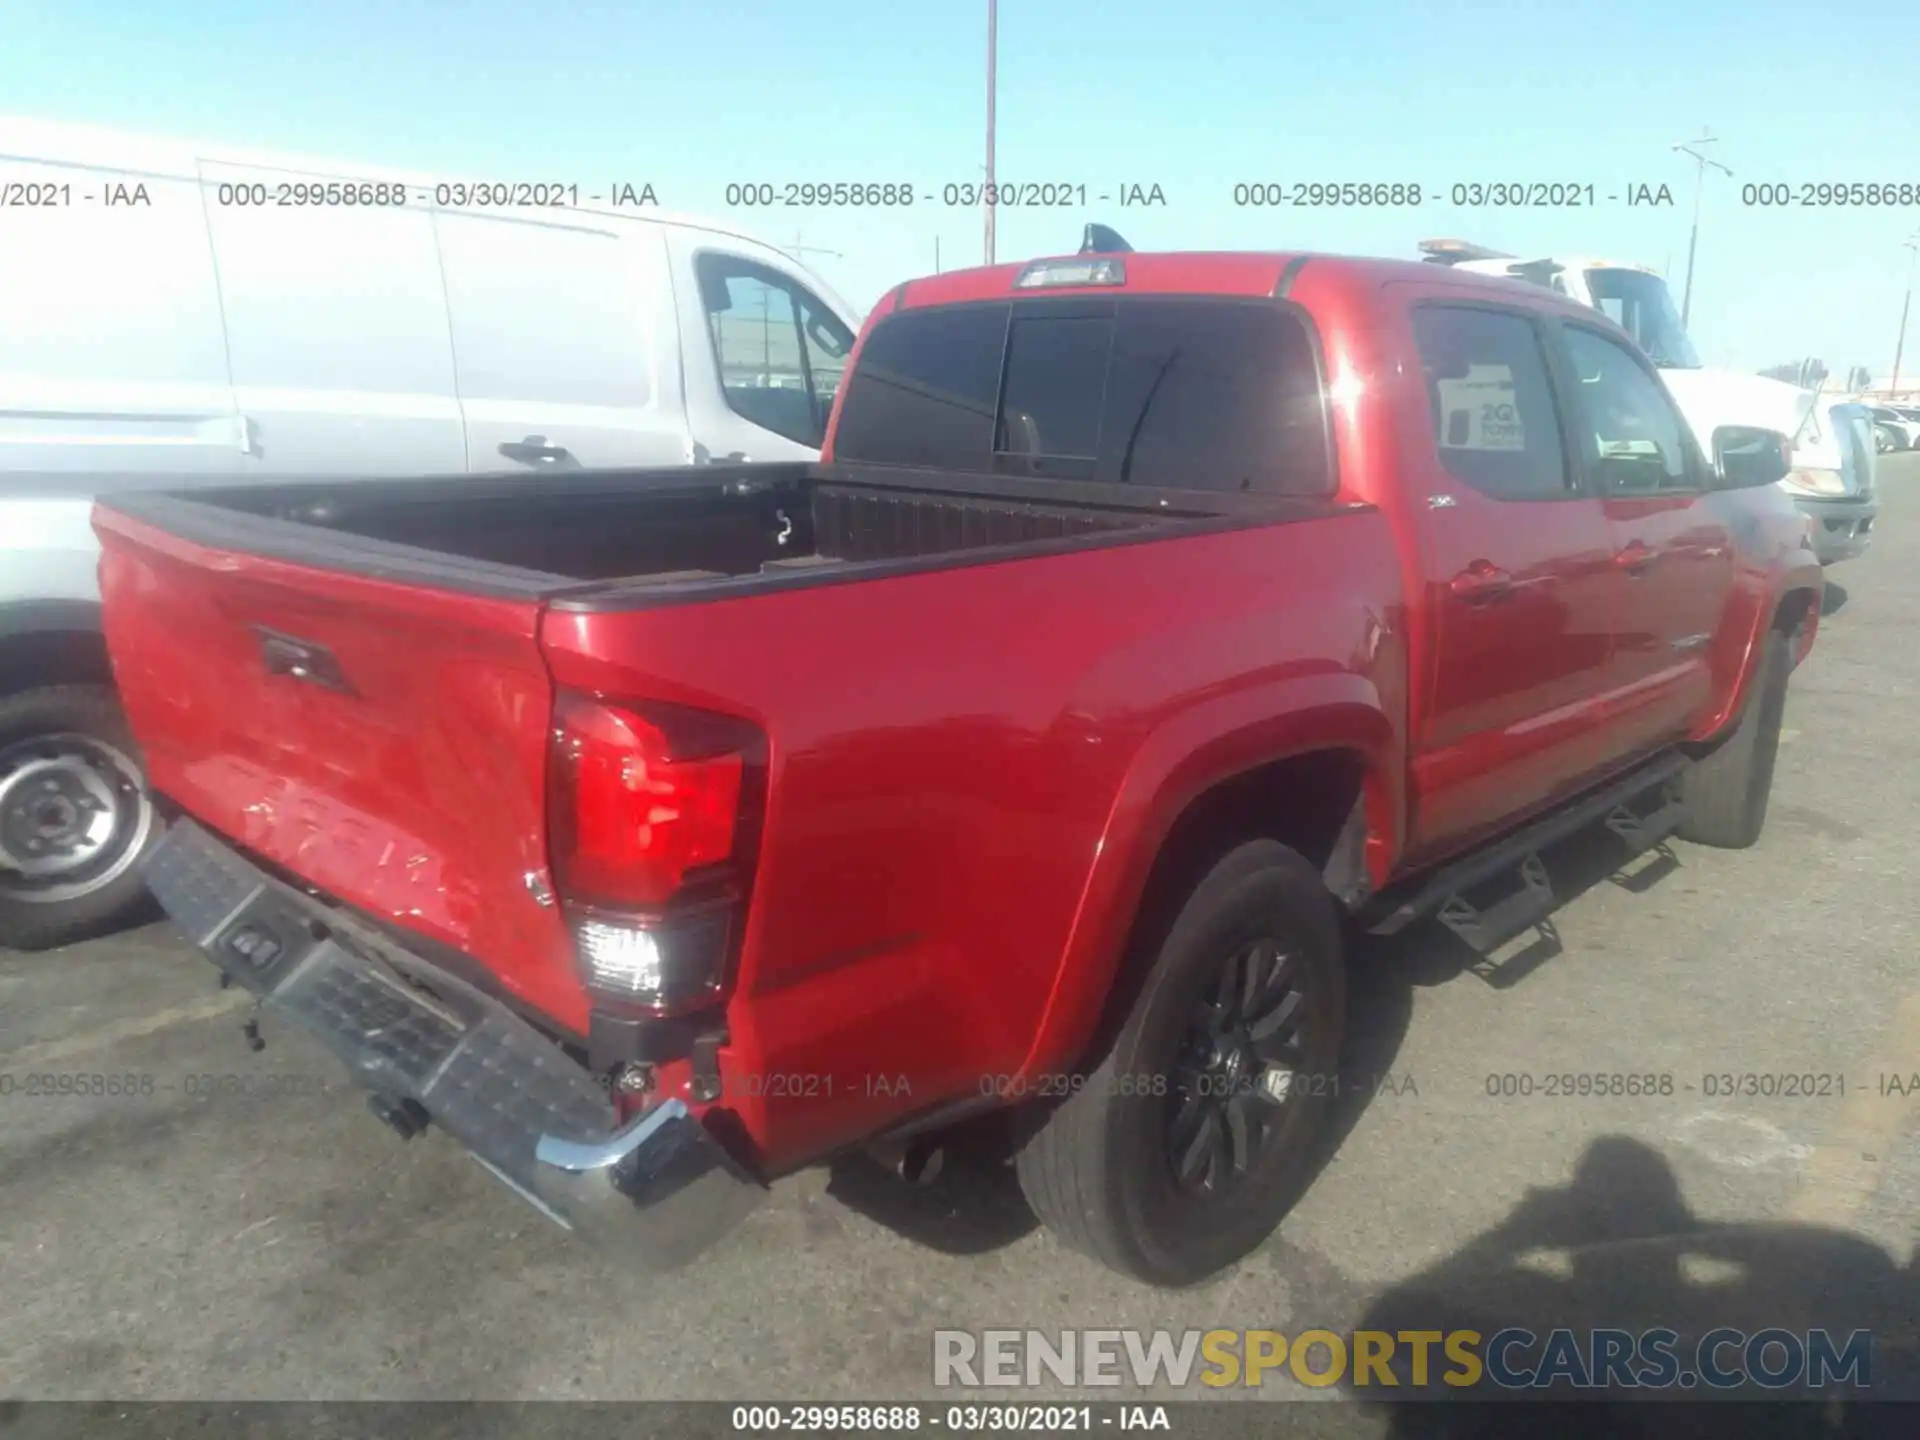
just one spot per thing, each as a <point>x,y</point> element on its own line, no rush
<point>237,1226</point>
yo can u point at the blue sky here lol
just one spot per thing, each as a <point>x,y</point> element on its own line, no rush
<point>1194,97</point>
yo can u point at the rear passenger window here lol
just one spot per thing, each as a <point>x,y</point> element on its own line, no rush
<point>1214,395</point>
<point>1492,406</point>
<point>1170,394</point>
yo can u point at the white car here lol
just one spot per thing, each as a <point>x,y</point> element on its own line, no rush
<point>1900,424</point>
<point>175,314</point>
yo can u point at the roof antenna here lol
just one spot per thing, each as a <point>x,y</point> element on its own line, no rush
<point>1103,240</point>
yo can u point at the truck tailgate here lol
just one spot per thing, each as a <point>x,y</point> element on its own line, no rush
<point>384,742</point>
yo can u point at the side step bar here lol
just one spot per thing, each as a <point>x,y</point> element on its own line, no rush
<point>1443,892</point>
<point>1488,929</point>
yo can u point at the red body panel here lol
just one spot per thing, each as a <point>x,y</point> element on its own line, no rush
<point>419,799</point>
<point>971,769</point>
<point>966,768</point>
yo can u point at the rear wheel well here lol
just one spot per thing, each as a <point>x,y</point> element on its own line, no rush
<point>1311,803</point>
<point>1303,801</point>
<point>53,657</point>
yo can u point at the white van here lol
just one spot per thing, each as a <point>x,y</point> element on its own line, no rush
<point>173,313</point>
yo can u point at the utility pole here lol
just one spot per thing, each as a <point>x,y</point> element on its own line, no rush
<point>993,27</point>
<point>936,254</point>
<point>1912,243</point>
<point>1700,164</point>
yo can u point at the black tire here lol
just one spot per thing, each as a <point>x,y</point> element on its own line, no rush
<point>70,744</point>
<point>1725,791</point>
<point>1100,1171</point>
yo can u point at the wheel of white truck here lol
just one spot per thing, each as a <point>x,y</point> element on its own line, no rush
<point>75,816</point>
<point>1181,1152</point>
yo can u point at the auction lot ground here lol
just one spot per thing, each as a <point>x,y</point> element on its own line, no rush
<point>270,1239</point>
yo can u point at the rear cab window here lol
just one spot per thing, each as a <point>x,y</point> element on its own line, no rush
<point>1161,393</point>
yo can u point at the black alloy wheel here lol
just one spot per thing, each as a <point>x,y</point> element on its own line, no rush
<point>1236,1074</point>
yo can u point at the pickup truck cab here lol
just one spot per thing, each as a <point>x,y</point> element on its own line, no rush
<point>1832,474</point>
<point>183,314</point>
<point>1150,622</point>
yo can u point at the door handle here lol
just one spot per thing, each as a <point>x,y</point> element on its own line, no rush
<point>1635,558</point>
<point>534,450</point>
<point>1480,582</point>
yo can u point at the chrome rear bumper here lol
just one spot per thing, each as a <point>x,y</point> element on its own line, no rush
<point>657,1189</point>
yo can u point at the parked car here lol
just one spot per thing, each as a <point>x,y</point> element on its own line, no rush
<point>1898,424</point>
<point>1832,478</point>
<point>656,833</point>
<point>180,314</point>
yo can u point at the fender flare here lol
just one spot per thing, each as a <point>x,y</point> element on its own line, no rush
<point>1184,757</point>
<point>1801,572</point>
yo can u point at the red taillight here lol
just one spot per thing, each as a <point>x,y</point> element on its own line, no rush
<point>633,812</point>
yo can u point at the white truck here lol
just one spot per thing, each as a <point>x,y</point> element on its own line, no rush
<point>1833,445</point>
<point>174,314</point>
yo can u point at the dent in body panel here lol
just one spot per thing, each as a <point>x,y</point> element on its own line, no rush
<point>418,798</point>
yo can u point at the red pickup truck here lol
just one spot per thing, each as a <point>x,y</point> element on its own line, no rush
<point>1151,623</point>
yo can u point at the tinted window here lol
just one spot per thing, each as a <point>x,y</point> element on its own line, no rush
<point>1055,387</point>
<point>925,389</point>
<point>1631,435</point>
<point>1174,394</point>
<point>1492,406</point>
<point>1206,395</point>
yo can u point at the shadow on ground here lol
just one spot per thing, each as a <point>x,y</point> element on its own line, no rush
<point>1617,1248</point>
<point>972,1206</point>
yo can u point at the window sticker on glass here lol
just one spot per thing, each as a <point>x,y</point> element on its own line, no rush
<point>1481,411</point>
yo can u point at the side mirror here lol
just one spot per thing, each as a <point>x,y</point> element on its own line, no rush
<point>1745,457</point>
<point>714,294</point>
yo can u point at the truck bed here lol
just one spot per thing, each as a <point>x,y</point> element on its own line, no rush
<point>643,534</point>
